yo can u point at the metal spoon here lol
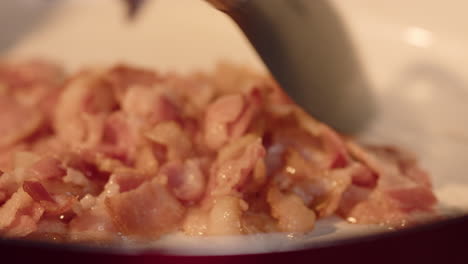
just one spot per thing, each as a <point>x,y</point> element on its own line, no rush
<point>306,48</point>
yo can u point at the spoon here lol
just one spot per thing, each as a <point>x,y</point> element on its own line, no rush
<point>305,46</point>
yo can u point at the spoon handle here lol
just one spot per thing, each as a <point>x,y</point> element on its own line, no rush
<point>306,47</point>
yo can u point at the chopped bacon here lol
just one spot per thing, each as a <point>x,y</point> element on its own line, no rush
<point>53,206</point>
<point>186,180</point>
<point>291,212</point>
<point>365,177</point>
<point>127,180</point>
<point>48,168</point>
<point>50,230</point>
<point>405,162</point>
<point>76,177</point>
<point>92,225</point>
<point>122,77</point>
<point>335,148</point>
<point>146,161</point>
<point>37,191</point>
<point>219,115</point>
<point>119,137</point>
<point>86,164</point>
<point>27,74</point>
<point>413,198</point>
<point>251,108</point>
<point>396,195</point>
<point>85,95</point>
<point>234,166</point>
<point>198,96</point>
<point>196,222</point>
<point>171,135</point>
<point>33,84</point>
<point>128,153</point>
<point>21,121</point>
<point>19,215</point>
<point>151,105</point>
<point>225,218</point>
<point>148,211</point>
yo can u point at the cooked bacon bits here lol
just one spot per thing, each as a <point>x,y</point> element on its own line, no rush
<point>147,211</point>
<point>292,214</point>
<point>186,180</point>
<point>130,153</point>
<point>22,121</point>
<point>37,191</point>
<point>19,215</point>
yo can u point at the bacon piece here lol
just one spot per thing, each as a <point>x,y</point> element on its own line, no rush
<point>146,161</point>
<point>196,222</point>
<point>219,115</point>
<point>93,225</point>
<point>122,77</point>
<point>322,191</point>
<point>120,138</point>
<point>151,105</point>
<point>364,177</point>
<point>48,168</point>
<point>50,230</point>
<point>130,152</point>
<point>186,180</point>
<point>11,181</point>
<point>19,215</point>
<point>396,196</point>
<point>292,214</point>
<point>75,177</point>
<point>171,135</point>
<point>363,206</point>
<point>33,83</point>
<point>37,191</point>
<point>7,156</point>
<point>148,211</point>
<point>235,163</point>
<point>335,147</point>
<point>404,161</point>
<point>83,98</point>
<point>253,104</point>
<point>286,133</point>
<point>86,163</point>
<point>225,218</point>
<point>53,206</point>
<point>29,74</point>
<point>24,159</point>
<point>413,198</point>
<point>196,91</point>
<point>19,121</point>
<point>229,78</point>
<point>127,180</point>
<point>331,143</point>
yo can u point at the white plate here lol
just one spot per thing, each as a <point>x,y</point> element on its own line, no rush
<point>414,53</point>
